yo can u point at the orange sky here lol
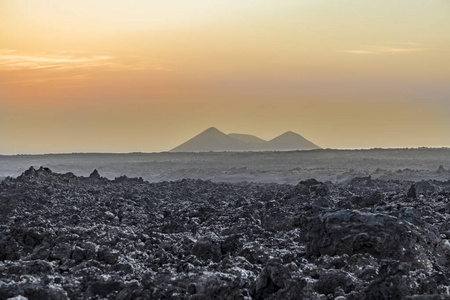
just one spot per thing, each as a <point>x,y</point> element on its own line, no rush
<point>123,76</point>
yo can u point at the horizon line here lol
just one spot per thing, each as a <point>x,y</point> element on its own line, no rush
<point>203,152</point>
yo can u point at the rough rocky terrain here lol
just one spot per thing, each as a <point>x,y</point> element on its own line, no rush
<point>65,236</point>
<point>288,167</point>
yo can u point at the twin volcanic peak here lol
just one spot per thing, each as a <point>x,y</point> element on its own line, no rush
<point>215,140</point>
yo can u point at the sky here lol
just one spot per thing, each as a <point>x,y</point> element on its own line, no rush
<point>145,75</point>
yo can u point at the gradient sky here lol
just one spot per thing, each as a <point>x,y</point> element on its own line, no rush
<point>143,75</point>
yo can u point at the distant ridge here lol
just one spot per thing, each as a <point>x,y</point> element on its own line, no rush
<point>290,141</point>
<point>212,139</point>
<point>215,140</point>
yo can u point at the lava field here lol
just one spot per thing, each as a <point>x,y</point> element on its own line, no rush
<point>72,237</point>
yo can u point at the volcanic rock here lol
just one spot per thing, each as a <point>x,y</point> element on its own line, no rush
<point>65,236</point>
<point>94,175</point>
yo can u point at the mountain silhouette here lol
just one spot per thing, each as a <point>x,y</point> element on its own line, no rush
<point>290,141</point>
<point>213,139</point>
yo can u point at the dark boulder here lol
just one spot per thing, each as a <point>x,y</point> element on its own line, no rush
<point>35,292</point>
<point>231,244</point>
<point>330,280</point>
<point>277,219</point>
<point>310,187</point>
<point>370,199</point>
<point>102,288</point>
<point>421,188</point>
<point>272,278</point>
<point>207,248</point>
<point>108,256</point>
<point>351,231</point>
<point>78,254</point>
<point>94,175</point>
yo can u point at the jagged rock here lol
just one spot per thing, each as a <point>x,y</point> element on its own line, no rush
<point>331,280</point>
<point>231,244</point>
<point>277,219</point>
<point>301,190</point>
<point>94,175</point>
<point>272,278</point>
<point>412,192</point>
<point>132,291</point>
<point>310,187</point>
<point>206,248</point>
<point>108,256</point>
<point>192,289</point>
<point>125,179</point>
<point>9,249</point>
<point>102,288</point>
<point>421,188</point>
<point>323,202</point>
<point>317,188</point>
<point>31,172</point>
<point>371,200</point>
<point>350,232</point>
<point>64,236</point>
<point>34,292</point>
<point>78,254</point>
<point>390,283</point>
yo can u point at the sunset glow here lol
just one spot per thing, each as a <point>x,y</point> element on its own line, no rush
<point>124,76</point>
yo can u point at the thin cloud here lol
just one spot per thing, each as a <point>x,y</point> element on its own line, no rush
<point>12,60</point>
<point>396,48</point>
<point>68,68</point>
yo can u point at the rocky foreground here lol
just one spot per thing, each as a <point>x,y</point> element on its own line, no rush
<point>64,236</point>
